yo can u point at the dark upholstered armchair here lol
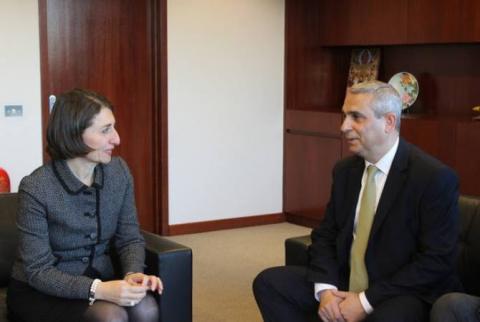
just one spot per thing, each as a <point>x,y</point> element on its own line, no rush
<point>296,248</point>
<point>171,261</point>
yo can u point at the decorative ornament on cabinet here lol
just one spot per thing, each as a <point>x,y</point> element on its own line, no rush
<point>476,109</point>
<point>407,86</point>
<point>364,65</point>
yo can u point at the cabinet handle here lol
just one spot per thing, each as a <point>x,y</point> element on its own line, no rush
<point>314,133</point>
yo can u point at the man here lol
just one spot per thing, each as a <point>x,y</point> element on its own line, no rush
<point>386,247</point>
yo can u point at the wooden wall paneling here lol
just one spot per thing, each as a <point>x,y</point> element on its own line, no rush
<point>160,138</point>
<point>308,122</point>
<point>352,22</point>
<point>308,163</point>
<point>345,149</point>
<point>332,73</point>
<point>231,223</point>
<point>468,157</point>
<point>377,22</point>
<point>312,146</point>
<point>443,21</point>
<point>436,137</point>
<point>293,41</point>
<point>109,47</point>
<point>448,76</point>
<point>315,77</point>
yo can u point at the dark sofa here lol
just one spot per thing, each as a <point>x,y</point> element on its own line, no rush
<point>170,260</point>
<point>296,248</point>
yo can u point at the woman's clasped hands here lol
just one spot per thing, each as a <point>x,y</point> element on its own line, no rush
<point>129,291</point>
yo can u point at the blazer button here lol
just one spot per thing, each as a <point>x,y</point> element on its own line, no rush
<point>84,259</point>
<point>93,236</point>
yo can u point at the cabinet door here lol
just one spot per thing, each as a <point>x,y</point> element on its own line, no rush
<point>312,146</point>
<point>434,136</point>
<point>309,161</point>
<point>468,157</point>
<point>369,22</point>
<point>443,21</point>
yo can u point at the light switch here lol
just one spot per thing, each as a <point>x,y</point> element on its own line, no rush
<point>13,110</point>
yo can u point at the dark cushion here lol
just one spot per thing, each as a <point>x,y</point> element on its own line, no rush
<point>8,235</point>
<point>469,242</point>
<point>8,247</point>
<point>296,250</point>
<point>3,305</point>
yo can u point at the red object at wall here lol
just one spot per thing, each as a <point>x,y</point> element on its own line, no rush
<point>4,181</point>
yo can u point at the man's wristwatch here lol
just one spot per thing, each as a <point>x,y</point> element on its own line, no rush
<point>93,289</point>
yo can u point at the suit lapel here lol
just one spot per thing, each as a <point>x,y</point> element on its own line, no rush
<point>393,185</point>
<point>353,190</point>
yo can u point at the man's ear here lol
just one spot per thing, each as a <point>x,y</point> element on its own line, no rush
<point>390,121</point>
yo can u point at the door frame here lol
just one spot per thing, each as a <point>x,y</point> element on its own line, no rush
<point>159,155</point>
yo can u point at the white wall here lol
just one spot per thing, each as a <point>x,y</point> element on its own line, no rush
<point>20,137</point>
<point>225,104</point>
<point>225,91</point>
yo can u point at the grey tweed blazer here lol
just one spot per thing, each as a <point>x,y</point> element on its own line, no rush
<point>66,227</point>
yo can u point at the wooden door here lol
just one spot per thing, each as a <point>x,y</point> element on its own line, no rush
<point>116,48</point>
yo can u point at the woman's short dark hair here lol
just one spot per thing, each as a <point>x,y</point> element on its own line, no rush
<point>72,113</point>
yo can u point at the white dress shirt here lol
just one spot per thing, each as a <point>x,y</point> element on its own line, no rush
<point>383,165</point>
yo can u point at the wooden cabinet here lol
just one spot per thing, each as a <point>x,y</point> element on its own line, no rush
<point>312,146</point>
<point>443,21</point>
<point>435,136</point>
<point>387,22</point>
<point>346,22</point>
<point>467,155</point>
<point>437,41</point>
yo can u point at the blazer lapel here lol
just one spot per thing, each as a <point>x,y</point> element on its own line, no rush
<point>393,185</point>
<point>353,190</point>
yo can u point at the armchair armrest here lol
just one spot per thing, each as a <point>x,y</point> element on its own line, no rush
<point>296,250</point>
<point>173,263</point>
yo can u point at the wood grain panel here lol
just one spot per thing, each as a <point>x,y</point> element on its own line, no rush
<point>443,21</point>
<point>448,76</point>
<point>109,47</point>
<point>160,116</point>
<point>231,223</point>
<point>352,22</point>
<point>309,161</point>
<point>434,136</point>
<point>320,123</point>
<point>468,157</point>
<point>315,77</point>
<point>304,221</point>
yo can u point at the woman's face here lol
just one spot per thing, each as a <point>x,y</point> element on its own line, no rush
<point>101,137</point>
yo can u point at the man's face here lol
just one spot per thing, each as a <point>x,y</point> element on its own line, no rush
<point>365,134</point>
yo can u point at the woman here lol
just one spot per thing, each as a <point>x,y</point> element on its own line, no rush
<point>73,212</point>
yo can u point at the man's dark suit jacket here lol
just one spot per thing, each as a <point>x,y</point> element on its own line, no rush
<point>412,245</point>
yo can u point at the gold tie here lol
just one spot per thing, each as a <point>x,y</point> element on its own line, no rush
<point>358,270</point>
